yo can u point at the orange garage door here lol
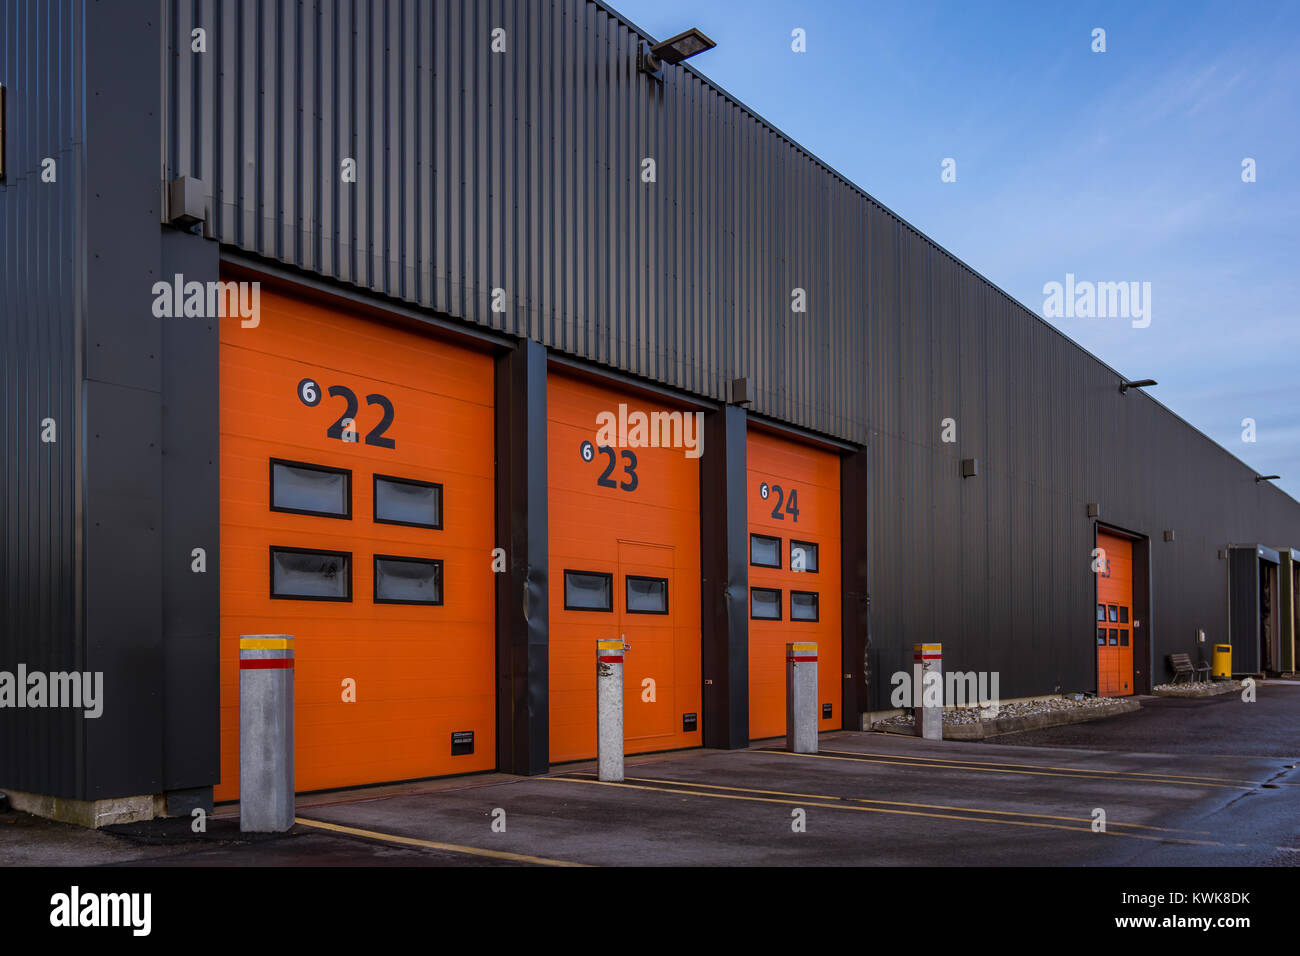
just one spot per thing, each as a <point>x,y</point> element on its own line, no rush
<point>357,515</point>
<point>794,574</point>
<point>624,527</point>
<point>1114,616</point>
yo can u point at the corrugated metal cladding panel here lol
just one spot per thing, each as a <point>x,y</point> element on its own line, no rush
<point>42,69</point>
<point>522,170</point>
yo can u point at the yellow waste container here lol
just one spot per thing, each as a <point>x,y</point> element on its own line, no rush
<point>1221,669</point>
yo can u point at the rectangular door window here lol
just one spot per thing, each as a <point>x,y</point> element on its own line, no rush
<point>401,580</point>
<point>765,604</point>
<point>803,556</point>
<point>803,605</point>
<point>647,595</point>
<point>764,551</point>
<point>588,591</point>
<point>407,501</point>
<point>303,489</point>
<point>308,575</point>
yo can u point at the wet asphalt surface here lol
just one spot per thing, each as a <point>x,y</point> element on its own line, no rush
<point>1209,781</point>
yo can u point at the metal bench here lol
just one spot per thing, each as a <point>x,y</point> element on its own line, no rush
<point>1183,667</point>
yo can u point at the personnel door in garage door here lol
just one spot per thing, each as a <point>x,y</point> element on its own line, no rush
<point>646,624</point>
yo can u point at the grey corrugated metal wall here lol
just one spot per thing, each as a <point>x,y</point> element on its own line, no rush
<point>42,68</point>
<point>86,568</point>
<point>520,170</point>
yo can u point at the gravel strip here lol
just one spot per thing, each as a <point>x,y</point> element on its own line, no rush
<point>972,715</point>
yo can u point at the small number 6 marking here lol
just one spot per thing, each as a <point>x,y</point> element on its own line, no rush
<point>309,392</point>
<point>763,491</point>
<point>587,450</point>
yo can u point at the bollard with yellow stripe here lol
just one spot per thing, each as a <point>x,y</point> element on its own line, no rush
<point>266,800</point>
<point>609,710</point>
<point>801,697</point>
<point>927,670</point>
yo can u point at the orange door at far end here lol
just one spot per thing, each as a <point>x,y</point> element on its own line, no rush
<point>1114,616</point>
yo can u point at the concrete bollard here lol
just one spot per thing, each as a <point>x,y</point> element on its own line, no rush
<point>801,698</point>
<point>927,671</point>
<point>609,711</point>
<point>266,803</point>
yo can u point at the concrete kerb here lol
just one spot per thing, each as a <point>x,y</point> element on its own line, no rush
<point>1013,725</point>
<point>1222,687</point>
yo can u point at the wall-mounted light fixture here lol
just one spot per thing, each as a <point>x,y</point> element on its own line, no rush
<point>741,393</point>
<point>970,467</point>
<point>185,204</point>
<point>1169,536</point>
<point>1093,510</point>
<point>1259,478</point>
<point>673,50</point>
<point>1139,383</point>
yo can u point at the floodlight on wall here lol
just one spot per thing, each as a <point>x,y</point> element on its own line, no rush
<point>741,392</point>
<point>970,467</point>
<point>1259,478</point>
<point>1094,509</point>
<point>1139,383</point>
<point>673,50</point>
<point>185,202</point>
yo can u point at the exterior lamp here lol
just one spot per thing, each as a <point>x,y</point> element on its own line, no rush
<point>673,50</point>
<point>1140,383</point>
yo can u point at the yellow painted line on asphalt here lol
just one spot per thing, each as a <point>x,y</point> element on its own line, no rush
<point>431,845</point>
<point>1086,770</point>
<point>1088,775</point>
<point>922,806</point>
<point>905,813</point>
<point>1031,766</point>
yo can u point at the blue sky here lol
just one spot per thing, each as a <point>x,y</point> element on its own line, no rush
<point>1115,166</point>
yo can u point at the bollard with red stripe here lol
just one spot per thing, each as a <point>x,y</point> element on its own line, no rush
<point>266,802</point>
<point>801,698</point>
<point>927,690</point>
<point>609,710</point>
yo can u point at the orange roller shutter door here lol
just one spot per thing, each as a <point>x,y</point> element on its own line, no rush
<point>624,529</point>
<point>794,508</point>
<point>392,614</point>
<point>1114,613</point>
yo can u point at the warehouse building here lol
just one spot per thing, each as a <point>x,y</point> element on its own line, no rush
<point>450,338</point>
